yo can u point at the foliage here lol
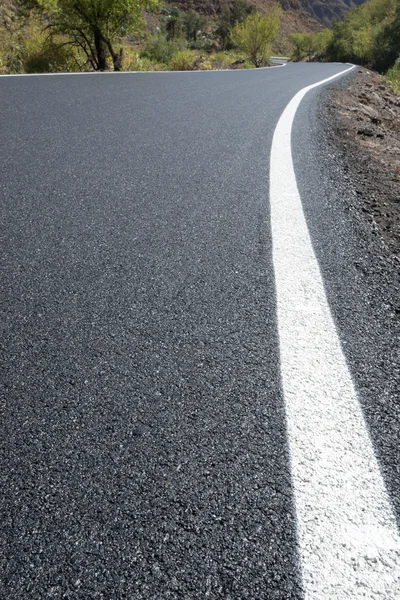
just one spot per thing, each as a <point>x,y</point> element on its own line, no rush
<point>222,59</point>
<point>388,40</point>
<point>393,76</point>
<point>240,10</point>
<point>205,65</point>
<point>224,27</point>
<point>254,36</point>
<point>192,24</point>
<point>161,50</point>
<point>368,35</point>
<point>25,46</point>
<point>51,57</point>
<point>310,44</point>
<point>134,61</point>
<point>96,26</point>
<point>183,61</point>
<point>174,24</point>
<point>44,40</point>
<point>231,14</point>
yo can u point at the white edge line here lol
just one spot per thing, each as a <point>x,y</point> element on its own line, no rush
<point>139,72</point>
<point>348,539</point>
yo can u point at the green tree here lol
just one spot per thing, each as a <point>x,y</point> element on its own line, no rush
<point>230,15</point>
<point>368,35</point>
<point>173,25</point>
<point>224,27</point>
<point>388,40</point>
<point>240,10</point>
<point>161,50</point>
<point>255,35</point>
<point>322,40</point>
<point>310,44</point>
<point>192,23</point>
<point>303,45</point>
<point>96,26</point>
<point>25,46</point>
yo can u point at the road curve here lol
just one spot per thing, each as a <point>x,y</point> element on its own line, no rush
<point>144,447</point>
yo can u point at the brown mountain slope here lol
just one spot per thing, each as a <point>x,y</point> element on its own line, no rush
<point>298,15</point>
<point>294,17</point>
<point>328,11</point>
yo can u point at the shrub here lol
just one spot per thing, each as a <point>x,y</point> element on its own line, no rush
<point>255,34</point>
<point>393,76</point>
<point>202,43</point>
<point>51,58</point>
<point>310,44</point>
<point>183,61</point>
<point>27,47</point>
<point>134,62</point>
<point>173,24</point>
<point>221,60</point>
<point>159,49</point>
<point>205,65</point>
<point>368,35</point>
<point>192,24</point>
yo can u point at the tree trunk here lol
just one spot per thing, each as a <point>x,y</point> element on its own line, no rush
<point>100,50</point>
<point>116,56</point>
<point>117,60</point>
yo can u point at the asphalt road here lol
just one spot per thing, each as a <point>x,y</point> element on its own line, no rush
<point>144,450</point>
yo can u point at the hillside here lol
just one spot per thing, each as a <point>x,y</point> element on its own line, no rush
<point>328,12</point>
<point>298,15</point>
<point>294,17</point>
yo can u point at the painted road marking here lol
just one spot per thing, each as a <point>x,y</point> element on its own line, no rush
<point>348,540</point>
<point>117,73</point>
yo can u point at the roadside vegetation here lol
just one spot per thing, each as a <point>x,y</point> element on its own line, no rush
<point>368,35</point>
<point>38,36</point>
<point>254,36</point>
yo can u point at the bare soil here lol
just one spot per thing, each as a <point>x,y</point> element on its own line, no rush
<point>366,123</point>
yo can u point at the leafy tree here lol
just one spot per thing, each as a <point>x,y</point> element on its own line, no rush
<point>173,25</point>
<point>368,35</point>
<point>224,27</point>
<point>96,26</point>
<point>231,14</point>
<point>25,47</point>
<point>388,40</point>
<point>255,34</point>
<point>302,45</point>
<point>161,50</point>
<point>192,23</point>
<point>322,41</point>
<point>310,44</point>
<point>240,10</point>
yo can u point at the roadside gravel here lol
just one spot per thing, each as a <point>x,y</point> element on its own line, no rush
<point>365,119</point>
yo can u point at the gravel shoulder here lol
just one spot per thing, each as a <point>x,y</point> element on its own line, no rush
<point>365,129</point>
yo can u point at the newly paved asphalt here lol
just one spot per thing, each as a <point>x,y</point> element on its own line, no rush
<point>143,444</point>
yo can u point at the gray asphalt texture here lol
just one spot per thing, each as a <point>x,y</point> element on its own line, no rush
<point>143,443</point>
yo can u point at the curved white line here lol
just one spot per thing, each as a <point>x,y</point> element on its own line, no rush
<point>118,73</point>
<point>348,540</point>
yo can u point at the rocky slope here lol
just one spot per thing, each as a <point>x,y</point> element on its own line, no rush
<point>298,15</point>
<point>327,12</point>
<point>366,118</point>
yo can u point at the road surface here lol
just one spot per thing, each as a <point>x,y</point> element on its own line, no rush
<point>151,444</point>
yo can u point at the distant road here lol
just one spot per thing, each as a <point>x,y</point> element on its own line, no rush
<point>201,376</point>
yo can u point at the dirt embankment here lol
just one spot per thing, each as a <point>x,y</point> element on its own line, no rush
<point>366,118</point>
